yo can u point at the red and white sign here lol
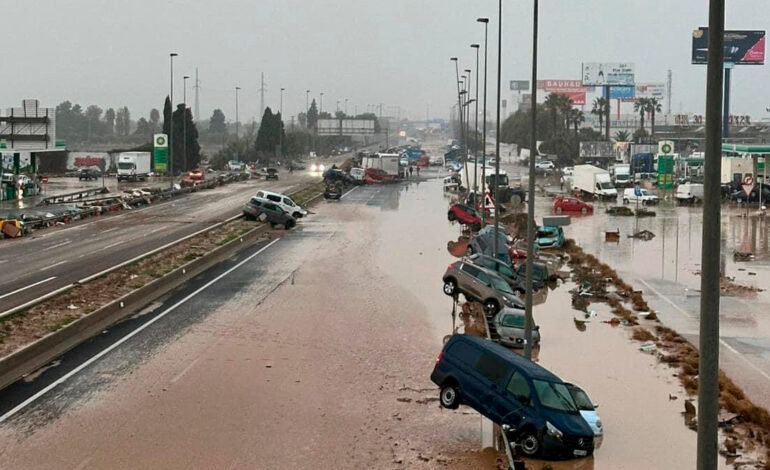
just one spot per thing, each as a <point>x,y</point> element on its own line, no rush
<point>748,185</point>
<point>573,89</point>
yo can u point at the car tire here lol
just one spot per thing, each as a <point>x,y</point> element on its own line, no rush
<point>469,251</point>
<point>288,225</point>
<point>450,287</point>
<point>451,216</point>
<point>519,291</point>
<point>491,307</point>
<point>476,227</point>
<point>625,201</point>
<point>296,215</point>
<point>558,210</point>
<point>515,200</point>
<point>449,396</point>
<point>529,443</point>
<point>583,210</point>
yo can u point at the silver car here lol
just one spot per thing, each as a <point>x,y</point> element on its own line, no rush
<point>480,284</point>
<point>509,324</point>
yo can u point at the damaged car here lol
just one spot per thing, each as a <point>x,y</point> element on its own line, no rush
<point>480,284</point>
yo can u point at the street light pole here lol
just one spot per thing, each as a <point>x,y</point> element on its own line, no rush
<point>528,322</point>
<point>184,122</point>
<point>346,106</point>
<point>237,121</point>
<point>280,131</point>
<point>497,132</point>
<point>307,108</point>
<point>708,364</point>
<point>484,124</point>
<point>476,128</point>
<point>171,126</point>
<point>459,99</point>
<point>468,115</point>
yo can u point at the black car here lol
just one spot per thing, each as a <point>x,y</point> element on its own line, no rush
<point>740,195</point>
<point>88,174</point>
<point>271,174</point>
<point>532,405</point>
<point>268,212</point>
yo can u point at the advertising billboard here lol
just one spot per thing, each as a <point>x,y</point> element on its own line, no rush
<point>572,89</point>
<point>651,90</point>
<point>741,47</point>
<point>345,126</point>
<point>622,93</point>
<point>519,85</point>
<point>608,73</point>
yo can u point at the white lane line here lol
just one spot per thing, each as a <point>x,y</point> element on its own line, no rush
<point>353,189</point>
<point>53,265</point>
<point>27,287</point>
<point>111,245</point>
<point>122,340</point>
<point>109,230</point>
<point>184,371</point>
<point>721,341</point>
<point>57,245</point>
<point>156,230</point>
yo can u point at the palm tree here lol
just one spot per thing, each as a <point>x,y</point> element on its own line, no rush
<point>622,136</point>
<point>600,109</point>
<point>575,116</point>
<point>640,106</point>
<point>653,106</point>
<point>553,103</point>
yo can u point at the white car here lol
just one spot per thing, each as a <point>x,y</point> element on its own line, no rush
<point>317,167</point>
<point>640,195</point>
<point>588,412</point>
<point>282,201</point>
<point>567,171</point>
<point>544,165</point>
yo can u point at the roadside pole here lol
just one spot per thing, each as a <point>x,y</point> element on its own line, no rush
<point>476,134</point>
<point>497,131</point>
<point>528,321</point>
<point>708,365</point>
<point>484,127</point>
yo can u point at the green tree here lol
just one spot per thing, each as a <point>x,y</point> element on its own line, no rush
<point>312,115</point>
<point>123,121</point>
<point>575,117</point>
<point>297,143</point>
<point>600,108</point>
<point>93,116</point>
<point>640,106</point>
<point>622,136</point>
<point>653,106</point>
<point>109,121</point>
<point>270,132</point>
<point>640,135</point>
<point>143,128</point>
<point>217,122</point>
<point>187,151</point>
<point>167,116</point>
<point>154,120</point>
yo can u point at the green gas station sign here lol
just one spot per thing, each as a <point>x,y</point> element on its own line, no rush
<point>160,152</point>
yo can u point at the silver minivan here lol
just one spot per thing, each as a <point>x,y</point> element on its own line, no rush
<point>282,201</point>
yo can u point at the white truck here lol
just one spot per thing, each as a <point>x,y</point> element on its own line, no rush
<point>478,170</point>
<point>734,169</point>
<point>621,175</point>
<point>387,162</point>
<point>133,166</point>
<point>594,181</point>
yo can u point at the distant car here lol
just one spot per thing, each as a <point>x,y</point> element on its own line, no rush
<point>297,165</point>
<point>436,161</point>
<point>235,165</point>
<point>509,324</point>
<point>505,271</point>
<point>588,412</point>
<point>256,209</point>
<point>358,175</point>
<point>88,174</point>
<point>454,166</point>
<point>466,215</point>
<point>567,171</point>
<point>284,202</point>
<point>740,196</point>
<point>540,272</point>
<point>571,204</point>
<point>640,195</point>
<point>689,192</point>
<point>544,165</point>
<point>317,167</point>
<point>550,237</point>
<point>484,243</point>
<point>480,284</point>
<point>271,174</point>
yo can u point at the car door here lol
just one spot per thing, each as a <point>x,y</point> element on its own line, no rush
<point>470,283</point>
<point>513,404</point>
<point>492,374</point>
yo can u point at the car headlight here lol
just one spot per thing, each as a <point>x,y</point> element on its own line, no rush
<point>313,167</point>
<point>321,168</point>
<point>599,423</point>
<point>553,431</point>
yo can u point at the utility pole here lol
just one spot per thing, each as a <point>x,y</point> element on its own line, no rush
<point>497,134</point>
<point>307,108</point>
<point>476,131</point>
<point>237,121</point>
<point>708,362</point>
<point>184,122</point>
<point>171,127</point>
<point>197,96</point>
<point>262,90</point>
<point>529,269</point>
<point>280,130</point>
<point>484,123</point>
<point>668,93</point>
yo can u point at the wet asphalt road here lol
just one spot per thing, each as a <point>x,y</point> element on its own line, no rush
<point>56,257</point>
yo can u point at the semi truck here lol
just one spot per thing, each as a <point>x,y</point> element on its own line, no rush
<point>134,166</point>
<point>594,181</point>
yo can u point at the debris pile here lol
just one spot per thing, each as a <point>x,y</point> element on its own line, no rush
<point>645,235</point>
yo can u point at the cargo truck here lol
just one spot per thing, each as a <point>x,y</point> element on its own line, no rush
<point>387,162</point>
<point>594,181</point>
<point>133,166</point>
<point>735,169</point>
<point>621,175</point>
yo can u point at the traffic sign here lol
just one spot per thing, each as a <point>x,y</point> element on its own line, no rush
<point>748,185</point>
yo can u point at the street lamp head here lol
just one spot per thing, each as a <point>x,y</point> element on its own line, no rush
<point>475,46</point>
<point>173,54</point>
<point>282,89</point>
<point>185,77</point>
<point>468,70</point>
<point>237,88</point>
<point>483,20</point>
<point>454,59</point>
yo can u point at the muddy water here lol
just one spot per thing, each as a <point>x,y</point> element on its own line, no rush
<point>644,426</point>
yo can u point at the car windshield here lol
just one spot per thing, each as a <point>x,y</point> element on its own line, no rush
<point>581,398</point>
<point>288,202</point>
<point>606,185</point>
<point>125,165</point>
<point>555,396</point>
<point>513,321</point>
<point>501,285</point>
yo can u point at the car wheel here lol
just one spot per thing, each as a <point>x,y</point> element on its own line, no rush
<point>625,201</point>
<point>491,306</point>
<point>296,215</point>
<point>451,216</point>
<point>558,210</point>
<point>519,291</point>
<point>583,211</point>
<point>450,287</point>
<point>288,225</point>
<point>449,396</point>
<point>476,227</point>
<point>515,199</point>
<point>469,251</point>
<point>530,444</point>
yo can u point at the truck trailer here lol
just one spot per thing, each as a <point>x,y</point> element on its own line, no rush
<point>134,166</point>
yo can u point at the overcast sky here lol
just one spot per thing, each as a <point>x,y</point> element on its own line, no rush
<point>394,52</point>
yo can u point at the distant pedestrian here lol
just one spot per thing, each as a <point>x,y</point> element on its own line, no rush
<point>411,169</point>
<point>418,171</point>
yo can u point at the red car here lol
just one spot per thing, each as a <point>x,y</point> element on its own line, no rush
<point>571,204</point>
<point>466,215</point>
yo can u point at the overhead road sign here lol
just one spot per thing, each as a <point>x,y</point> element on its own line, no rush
<point>519,85</point>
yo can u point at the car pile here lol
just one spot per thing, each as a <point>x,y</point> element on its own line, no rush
<point>273,208</point>
<point>539,412</point>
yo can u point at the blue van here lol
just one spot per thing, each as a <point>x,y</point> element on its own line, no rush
<point>512,390</point>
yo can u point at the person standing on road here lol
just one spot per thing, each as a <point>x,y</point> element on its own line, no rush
<point>418,171</point>
<point>411,169</point>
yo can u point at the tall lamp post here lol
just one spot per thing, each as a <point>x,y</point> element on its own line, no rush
<point>528,323</point>
<point>184,122</point>
<point>171,126</point>
<point>307,108</point>
<point>280,131</point>
<point>237,121</point>
<point>476,129</point>
<point>484,123</point>
<point>497,132</point>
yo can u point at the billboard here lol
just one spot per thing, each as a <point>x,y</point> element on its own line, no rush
<point>572,89</point>
<point>651,90</point>
<point>519,85</point>
<point>345,126</point>
<point>622,93</point>
<point>608,73</point>
<point>741,47</point>
<point>602,149</point>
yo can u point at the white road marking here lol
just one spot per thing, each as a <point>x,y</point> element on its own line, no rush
<point>156,230</point>
<point>122,340</point>
<point>184,371</point>
<point>53,265</point>
<point>57,245</point>
<point>110,246</point>
<point>27,287</point>
<point>109,230</point>
<point>353,189</point>
<point>721,341</point>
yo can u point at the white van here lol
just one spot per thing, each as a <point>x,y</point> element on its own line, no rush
<point>639,195</point>
<point>689,192</point>
<point>282,201</point>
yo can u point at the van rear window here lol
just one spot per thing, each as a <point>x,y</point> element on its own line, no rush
<point>492,367</point>
<point>464,352</point>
